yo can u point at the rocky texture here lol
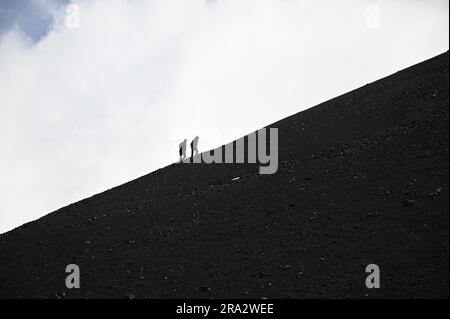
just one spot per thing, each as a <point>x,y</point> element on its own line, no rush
<point>362,179</point>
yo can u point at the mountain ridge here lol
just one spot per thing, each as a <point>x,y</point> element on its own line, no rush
<point>362,178</point>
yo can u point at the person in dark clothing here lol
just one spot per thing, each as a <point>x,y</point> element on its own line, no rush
<point>194,146</point>
<point>182,150</point>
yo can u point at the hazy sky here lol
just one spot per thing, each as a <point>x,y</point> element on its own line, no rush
<point>91,100</point>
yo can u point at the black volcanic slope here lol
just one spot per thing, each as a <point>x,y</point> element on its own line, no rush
<point>362,179</point>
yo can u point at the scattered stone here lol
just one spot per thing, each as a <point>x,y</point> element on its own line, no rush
<point>412,182</point>
<point>408,202</point>
<point>436,192</point>
<point>285,267</point>
<point>205,289</point>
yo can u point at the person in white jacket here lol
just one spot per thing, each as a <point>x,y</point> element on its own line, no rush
<point>194,146</point>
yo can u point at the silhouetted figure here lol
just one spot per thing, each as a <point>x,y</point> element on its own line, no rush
<point>182,150</point>
<point>194,146</point>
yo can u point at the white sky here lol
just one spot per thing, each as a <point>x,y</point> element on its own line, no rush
<point>85,109</point>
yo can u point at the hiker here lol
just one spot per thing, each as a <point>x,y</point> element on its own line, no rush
<point>182,150</point>
<point>194,146</point>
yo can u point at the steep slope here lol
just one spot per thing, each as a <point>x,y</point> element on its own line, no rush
<point>362,179</point>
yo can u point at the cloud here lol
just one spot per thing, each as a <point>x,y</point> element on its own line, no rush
<point>85,109</point>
